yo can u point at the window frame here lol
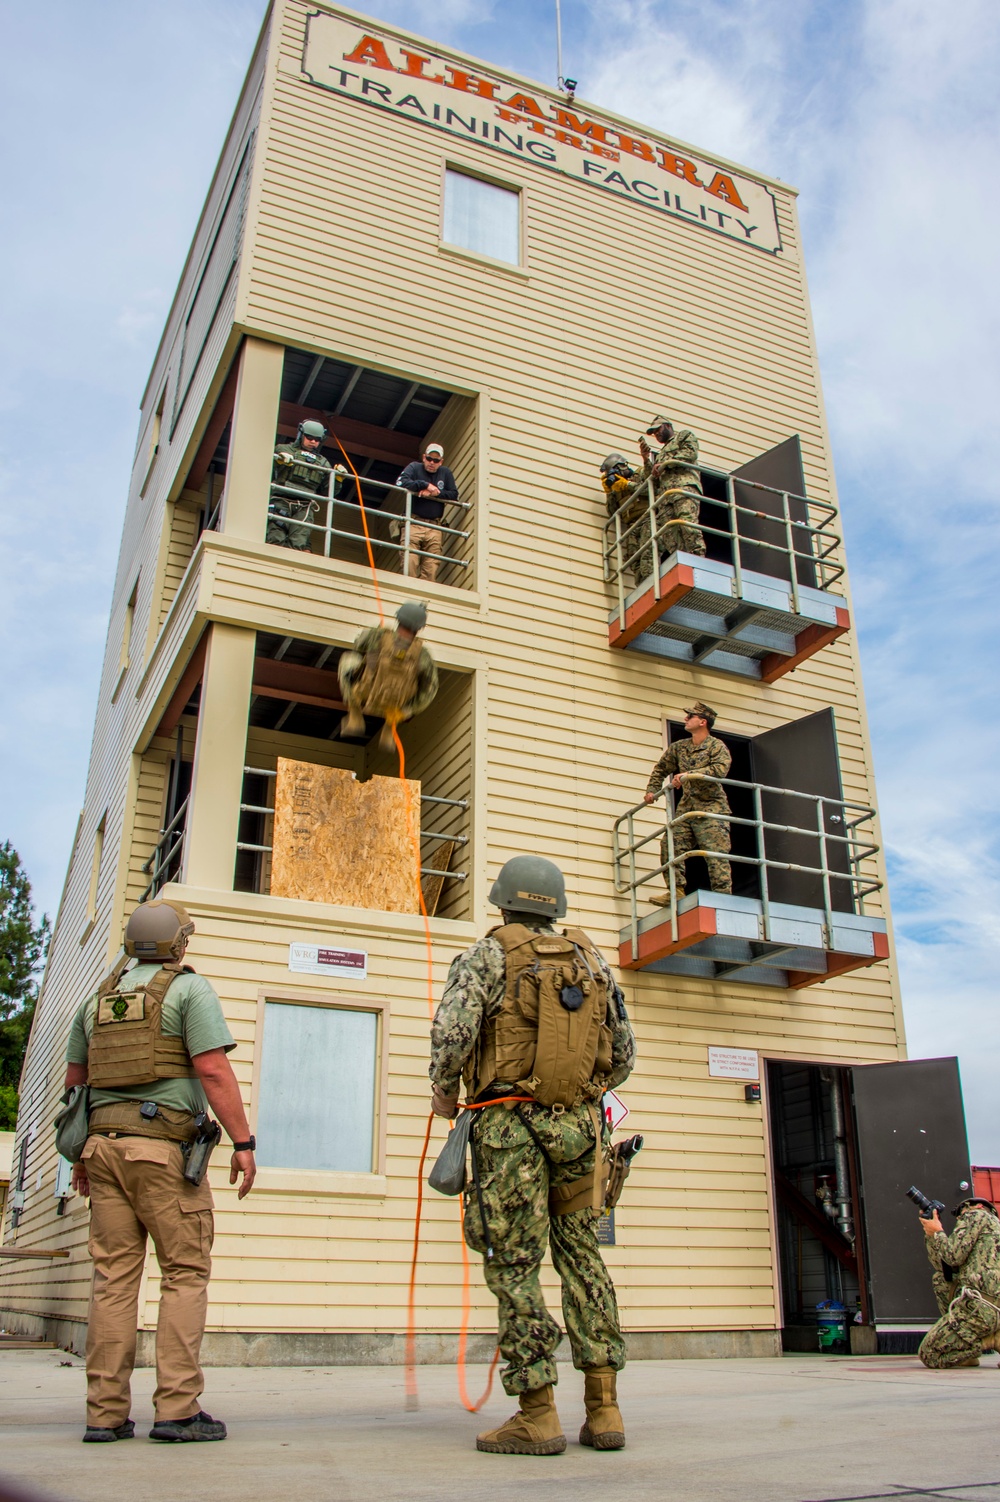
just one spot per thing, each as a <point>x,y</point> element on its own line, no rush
<point>327,1180</point>
<point>508,185</point>
<point>94,886</point>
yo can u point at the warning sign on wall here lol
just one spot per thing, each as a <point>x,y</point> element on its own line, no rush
<point>734,1063</point>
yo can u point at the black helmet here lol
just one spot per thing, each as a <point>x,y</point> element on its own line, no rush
<point>614,461</point>
<point>412,615</point>
<point>530,884</point>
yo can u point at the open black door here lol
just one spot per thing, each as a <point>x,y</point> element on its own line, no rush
<point>802,755</point>
<point>781,469</point>
<point>910,1129</point>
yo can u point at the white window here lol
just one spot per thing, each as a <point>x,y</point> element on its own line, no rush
<point>316,1099</point>
<point>480,216</point>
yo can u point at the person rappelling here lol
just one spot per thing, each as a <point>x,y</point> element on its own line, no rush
<point>388,673</point>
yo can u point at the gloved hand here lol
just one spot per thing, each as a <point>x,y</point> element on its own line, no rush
<point>442,1104</point>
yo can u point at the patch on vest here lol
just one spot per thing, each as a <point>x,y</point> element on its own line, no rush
<point>121,1006</point>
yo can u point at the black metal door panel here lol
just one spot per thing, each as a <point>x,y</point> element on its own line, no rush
<point>780,469</point>
<point>802,755</point>
<point>910,1125</point>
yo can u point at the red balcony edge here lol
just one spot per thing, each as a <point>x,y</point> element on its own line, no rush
<point>808,642</point>
<point>656,943</point>
<point>641,614</point>
<point>840,964</point>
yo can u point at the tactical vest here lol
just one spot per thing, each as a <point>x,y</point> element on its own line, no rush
<point>128,1046</point>
<point>551,1037</point>
<point>303,470</point>
<point>389,677</point>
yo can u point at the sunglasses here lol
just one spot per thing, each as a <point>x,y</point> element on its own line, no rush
<point>432,458</point>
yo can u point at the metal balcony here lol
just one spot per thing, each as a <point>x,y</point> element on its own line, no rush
<point>803,865</point>
<point>759,614</point>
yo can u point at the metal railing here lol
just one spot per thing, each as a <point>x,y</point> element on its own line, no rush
<point>425,834</point>
<point>806,539</point>
<point>338,510</point>
<point>852,846</point>
<point>168,849</point>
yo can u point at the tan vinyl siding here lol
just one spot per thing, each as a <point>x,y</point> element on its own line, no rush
<point>546,732</point>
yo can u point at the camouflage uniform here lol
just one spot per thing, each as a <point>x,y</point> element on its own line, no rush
<point>969,1299</point>
<point>713,759</point>
<point>671,503</point>
<point>294,465</point>
<point>352,666</point>
<point>515,1177</point>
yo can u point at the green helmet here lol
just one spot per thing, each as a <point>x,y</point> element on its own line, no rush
<point>156,930</point>
<point>530,884</point>
<point>310,430</point>
<point>412,615</point>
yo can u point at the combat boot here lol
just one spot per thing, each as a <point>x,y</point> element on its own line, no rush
<point>353,722</point>
<point>535,1430</point>
<point>603,1428</point>
<point>664,899</point>
<point>385,740</point>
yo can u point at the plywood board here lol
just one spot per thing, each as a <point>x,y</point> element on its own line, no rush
<point>440,859</point>
<point>343,841</point>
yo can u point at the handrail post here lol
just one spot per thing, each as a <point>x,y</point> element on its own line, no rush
<point>765,900</point>
<point>406,534</point>
<point>331,491</point>
<point>620,565</point>
<point>824,857</point>
<point>654,541</point>
<point>790,542</point>
<point>634,916</point>
<point>734,528</point>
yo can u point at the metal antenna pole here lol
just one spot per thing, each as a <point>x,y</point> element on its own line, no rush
<point>559,71</point>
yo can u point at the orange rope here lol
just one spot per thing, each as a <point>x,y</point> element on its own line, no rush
<point>410,1355</point>
<point>410,1367</point>
<point>364,526</point>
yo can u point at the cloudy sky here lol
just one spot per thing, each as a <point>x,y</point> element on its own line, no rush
<point>884,113</point>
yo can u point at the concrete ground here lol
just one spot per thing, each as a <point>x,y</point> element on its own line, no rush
<point>799,1429</point>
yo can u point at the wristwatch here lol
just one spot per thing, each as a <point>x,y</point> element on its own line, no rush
<point>250,1146</point>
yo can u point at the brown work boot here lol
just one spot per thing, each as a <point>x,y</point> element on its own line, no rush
<point>534,1430</point>
<point>664,899</point>
<point>603,1428</point>
<point>353,722</point>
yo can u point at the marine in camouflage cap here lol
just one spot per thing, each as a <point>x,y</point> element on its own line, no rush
<point>677,496</point>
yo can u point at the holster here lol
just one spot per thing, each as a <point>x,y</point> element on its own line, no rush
<point>579,1194</point>
<point>123,1117</point>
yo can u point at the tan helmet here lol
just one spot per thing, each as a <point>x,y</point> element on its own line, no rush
<point>157,931</point>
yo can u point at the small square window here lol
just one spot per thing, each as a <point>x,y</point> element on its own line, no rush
<point>481,217</point>
<point>317,1087</point>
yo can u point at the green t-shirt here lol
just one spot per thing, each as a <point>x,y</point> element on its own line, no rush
<point>191,1010</point>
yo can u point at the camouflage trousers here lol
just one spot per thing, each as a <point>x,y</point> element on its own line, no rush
<point>281,528</point>
<point>703,833</point>
<point>676,513</point>
<point>515,1176</point>
<point>958,1336</point>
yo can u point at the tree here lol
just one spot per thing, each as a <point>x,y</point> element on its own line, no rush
<point>23,947</point>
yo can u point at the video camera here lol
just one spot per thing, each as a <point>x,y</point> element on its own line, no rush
<point>926,1208</point>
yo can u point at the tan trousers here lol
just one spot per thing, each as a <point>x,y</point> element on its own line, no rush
<point>137,1188</point>
<point>418,565</point>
